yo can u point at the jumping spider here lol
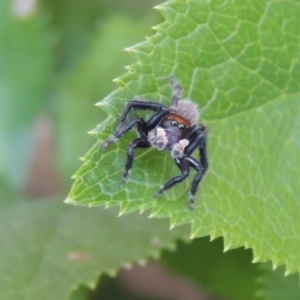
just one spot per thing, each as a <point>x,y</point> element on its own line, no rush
<point>174,128</point>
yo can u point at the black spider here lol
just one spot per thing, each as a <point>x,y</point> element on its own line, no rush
<point>174,128</point>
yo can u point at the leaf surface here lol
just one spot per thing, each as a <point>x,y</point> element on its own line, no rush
<point>240,62</point>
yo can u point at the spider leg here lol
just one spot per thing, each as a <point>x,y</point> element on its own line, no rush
<point>143,127</point>
<point>141,142</point>
<point>200,169</point>
<point>197,139</point>
<point>121,130</point>
<point>141,124</point>
<point>156,119</point>
<point>183,165</point>
<point>176,91</point>
<point>144,105</point>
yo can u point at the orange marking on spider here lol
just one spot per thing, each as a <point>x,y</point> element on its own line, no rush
<point>179,119</point>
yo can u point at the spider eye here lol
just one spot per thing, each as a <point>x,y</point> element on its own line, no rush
<point>181,126</point>
<point>173,123</point>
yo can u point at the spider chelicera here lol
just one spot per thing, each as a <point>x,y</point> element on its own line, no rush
<point>174,128</point>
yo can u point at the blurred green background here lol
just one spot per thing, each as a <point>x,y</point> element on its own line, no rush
<point>57,59</point>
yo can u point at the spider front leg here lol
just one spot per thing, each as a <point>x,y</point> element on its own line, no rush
<point>143,129</point>
<point>137,143</point>
<point>183,165</point>
<point>121,130</point>
<point>142,105</point>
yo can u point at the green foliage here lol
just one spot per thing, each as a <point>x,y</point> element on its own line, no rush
<point>240,63</point>
<point>274,285</point>
<point>49,252</point>
<point>25,60</point>
<point>229,275</point>
<point>238,60</point>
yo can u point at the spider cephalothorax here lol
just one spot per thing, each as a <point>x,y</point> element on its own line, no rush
<point>176,129</point>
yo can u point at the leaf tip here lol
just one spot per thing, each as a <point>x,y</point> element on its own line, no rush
<point>93,133</point>
<point>159,7</point>
<point>214,235</point>
<point>121,213</point>
<point>135,51</point>
<point>119,82</point>
<point>142,210</point>
<point>99,103</point>
<point>69,200</point>
<point>274,264</point>
<point>226,248</point>
<point>130,50</point>
<point>289,269</point>
<point>129,69</point>
<point>193,235</point>
<point>156,28</point>
<point>152,215</point>
<point>255,259</point>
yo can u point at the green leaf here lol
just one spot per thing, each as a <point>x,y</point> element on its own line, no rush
<point>25,60</point>
<point>274,285</point>
<point>240,62</point>
<point>47,248</point>
<point>204,263</point>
